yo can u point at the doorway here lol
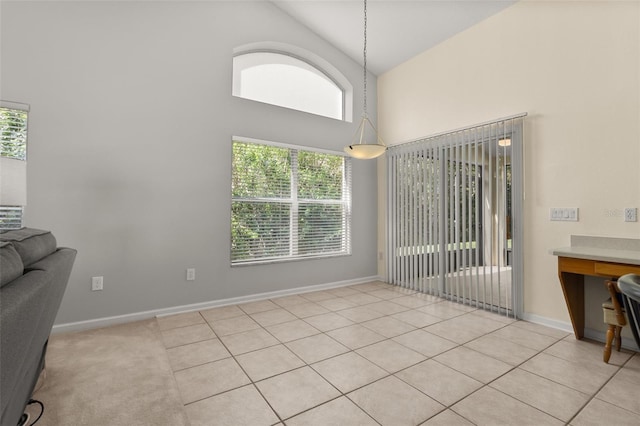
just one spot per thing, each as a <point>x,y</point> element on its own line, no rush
<point>454,219</point>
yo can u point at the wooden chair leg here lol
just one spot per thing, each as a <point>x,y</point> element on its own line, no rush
<point>618,339</point>
<point>607,346</point>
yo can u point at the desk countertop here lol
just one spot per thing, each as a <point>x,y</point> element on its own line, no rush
<point>630,257</point>
<point>605,249</point>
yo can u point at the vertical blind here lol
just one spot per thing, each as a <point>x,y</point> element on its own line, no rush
<point>288,203</point>
<point>455,214</point>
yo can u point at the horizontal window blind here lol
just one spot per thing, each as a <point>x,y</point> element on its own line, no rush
<point>10,217</point>
<point>288,203</point>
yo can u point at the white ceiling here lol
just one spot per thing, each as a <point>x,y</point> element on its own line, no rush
<point>397,30</point>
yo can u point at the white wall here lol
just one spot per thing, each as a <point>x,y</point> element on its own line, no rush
<point>574,67</point>
<point>130,146</point>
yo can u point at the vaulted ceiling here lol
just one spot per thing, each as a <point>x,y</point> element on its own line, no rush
<point>397,30</point>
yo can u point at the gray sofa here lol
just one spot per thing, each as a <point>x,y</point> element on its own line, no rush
<point>33,277</point>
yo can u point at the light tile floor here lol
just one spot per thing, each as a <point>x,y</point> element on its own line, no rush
<point>376,354</point>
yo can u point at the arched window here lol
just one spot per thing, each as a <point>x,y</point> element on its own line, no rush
<point>285,80</point>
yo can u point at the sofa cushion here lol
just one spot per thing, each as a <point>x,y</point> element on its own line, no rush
<point>11,262</point>
<point>31,244</point>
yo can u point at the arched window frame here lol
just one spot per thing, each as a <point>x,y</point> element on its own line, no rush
<point>309,58</point>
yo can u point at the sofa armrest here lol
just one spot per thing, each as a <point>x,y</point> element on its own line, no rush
<point>59,265</point>
<point>28,307</point>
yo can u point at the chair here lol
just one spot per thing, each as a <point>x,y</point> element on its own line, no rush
<point>630,288</point>
<point>614,316</point>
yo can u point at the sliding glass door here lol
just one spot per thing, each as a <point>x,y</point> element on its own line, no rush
<point>455,215</point>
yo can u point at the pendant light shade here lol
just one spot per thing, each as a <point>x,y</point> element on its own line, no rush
<point>369,145</point>
<point>363,149</point>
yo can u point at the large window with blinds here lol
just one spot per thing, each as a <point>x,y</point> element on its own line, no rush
<point>288,203</point>
<point>13,157</point>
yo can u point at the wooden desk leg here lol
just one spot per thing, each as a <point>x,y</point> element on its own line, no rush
<point>573,289</point>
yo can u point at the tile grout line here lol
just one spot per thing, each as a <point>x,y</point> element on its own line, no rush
<point>600,389</point>
<point>254,383</point>
<point>485,385</point>
<point>389,374</point>
<point>251,381</point>
<point>488,384</point>
<point>553,381</point>
<point>305,363</point>
<point>309,365</point>
<point>386,315</point>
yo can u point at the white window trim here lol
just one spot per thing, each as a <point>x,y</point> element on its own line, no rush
<point>313,60</point>
<point>15,105</point>
<point>347,198</point>
<point>288,146</point>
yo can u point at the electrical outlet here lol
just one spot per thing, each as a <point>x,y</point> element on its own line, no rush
<point>191,274</point>
<point>96,283</point>
<point>631,214</point>
<point>613,213</point>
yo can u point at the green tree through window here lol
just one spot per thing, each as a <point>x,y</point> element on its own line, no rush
<point>13,133</point>
<point>13,147</point>
<point>288,203</point>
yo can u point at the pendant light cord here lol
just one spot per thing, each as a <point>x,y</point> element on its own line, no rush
<point>362,149</point>
<point>364,53</point>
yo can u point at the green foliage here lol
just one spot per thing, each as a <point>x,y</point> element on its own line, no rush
<point>13,131</point>
<point>320,176</point>
<point>260,171</point>
<point>264,222</point>
<point>256,230</point>
<point>320,228</point>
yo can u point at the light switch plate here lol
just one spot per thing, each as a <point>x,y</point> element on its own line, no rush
<point>565,214</point>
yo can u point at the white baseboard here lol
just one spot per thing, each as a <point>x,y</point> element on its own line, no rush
<point>138,316</point>
<point>548,322</point>
<point>597,335</point>
<point>600,336</point>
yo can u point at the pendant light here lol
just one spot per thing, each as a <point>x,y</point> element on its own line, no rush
<point>369,144</point>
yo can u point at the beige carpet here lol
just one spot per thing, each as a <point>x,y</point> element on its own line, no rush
<point>112,376</point>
